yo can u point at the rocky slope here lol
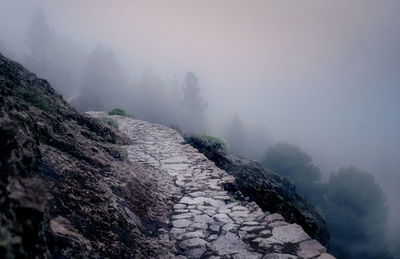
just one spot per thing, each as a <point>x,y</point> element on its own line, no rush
<point>74,187</point>
<point>65,188</point>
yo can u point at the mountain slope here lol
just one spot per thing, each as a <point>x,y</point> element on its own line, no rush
<point>72,186</point>
<point>64,182</point>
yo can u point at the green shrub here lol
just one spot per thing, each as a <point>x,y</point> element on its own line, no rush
<point>118,111</point>
<point>33,98</point>
<point>207,141</point>
<point>110,121</point>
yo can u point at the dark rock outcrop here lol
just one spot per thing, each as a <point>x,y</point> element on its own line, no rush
<point>271,191</point>
<point>66,190</point>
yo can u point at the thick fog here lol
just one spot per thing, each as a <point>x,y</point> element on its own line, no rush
<point>323,75</point>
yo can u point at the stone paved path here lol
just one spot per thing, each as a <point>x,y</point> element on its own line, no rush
<point>207,222</point>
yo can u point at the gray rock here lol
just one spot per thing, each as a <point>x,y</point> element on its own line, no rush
<point>228,244</point>
<point>251,228</point>
<point>192,243</point>
<point>181,210</point>
<point>196,194</point>
<point>214,228</point>
<point>193,234</point>
<point>239,208</point>
<point>265,233</point>
<point>278,224</point>
<point>224,211</point>
<point>230,205</point>
<point>230,226</point>
<point>195,252</point>
<point>290,234</point>
<point>209,212</point>
<point>274,217</point>
<point>250,223</point>
<point>212,237</point>
<point>182,216</point>
<point>223,218</point>
<point>247,255</point>
<point>202,219</point>
<point>179,206</point>
<point>239,213</point>
<point>181,223</point>
<point>279,256</point>
<point>326,256</point>
<point>197,212</point>
<point>310,249</point>
<point>266,242</point>
<point>199,225</point>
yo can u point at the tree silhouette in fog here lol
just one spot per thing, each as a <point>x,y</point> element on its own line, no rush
<point>40,41</point>
<point>150,98</point>
<point>352,203</point>
<point>356,213</point>
<point>293,162</point>
<point>102,80</point>
<point>235,134</point>
<point>193,104</point>
<point>51,57</point>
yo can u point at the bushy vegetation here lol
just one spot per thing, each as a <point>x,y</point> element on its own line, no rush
<point>118,111</point>
<point>294,163</point>
<point>353,204</point>
<point>207,141</point>
<point>33,98</point>
<point>356,213</point>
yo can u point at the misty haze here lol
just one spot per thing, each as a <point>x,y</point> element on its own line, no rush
<point>199,129</point>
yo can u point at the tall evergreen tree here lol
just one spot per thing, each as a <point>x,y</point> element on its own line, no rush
<point>193,104</point>
<point>40,42</point>
<point>356,213</point>
<point>296,164</point>
<point>101,81</point>
<point>236,134</point>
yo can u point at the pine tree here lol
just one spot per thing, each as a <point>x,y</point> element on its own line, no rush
<point>40,42</point>
<point>193,104</point>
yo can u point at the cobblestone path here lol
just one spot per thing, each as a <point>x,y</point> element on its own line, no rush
<point>207,222</point>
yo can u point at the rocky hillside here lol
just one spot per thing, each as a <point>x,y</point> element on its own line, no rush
<point>66,189</point>
<point>74,187</point>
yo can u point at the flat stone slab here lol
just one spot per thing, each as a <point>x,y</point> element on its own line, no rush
<point>195,252</point>
<point>292,233</point>
<point>194,234</point>
<point>182,216</point>
<point>181,223</point>
<point>279,256</point>
<point>223,218</point>
<point>228,244</point>
<point>326,256</point>
<point>251,228</point>
<point>193,242</point>
<point>274,217</point>
<point>310,249</point>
